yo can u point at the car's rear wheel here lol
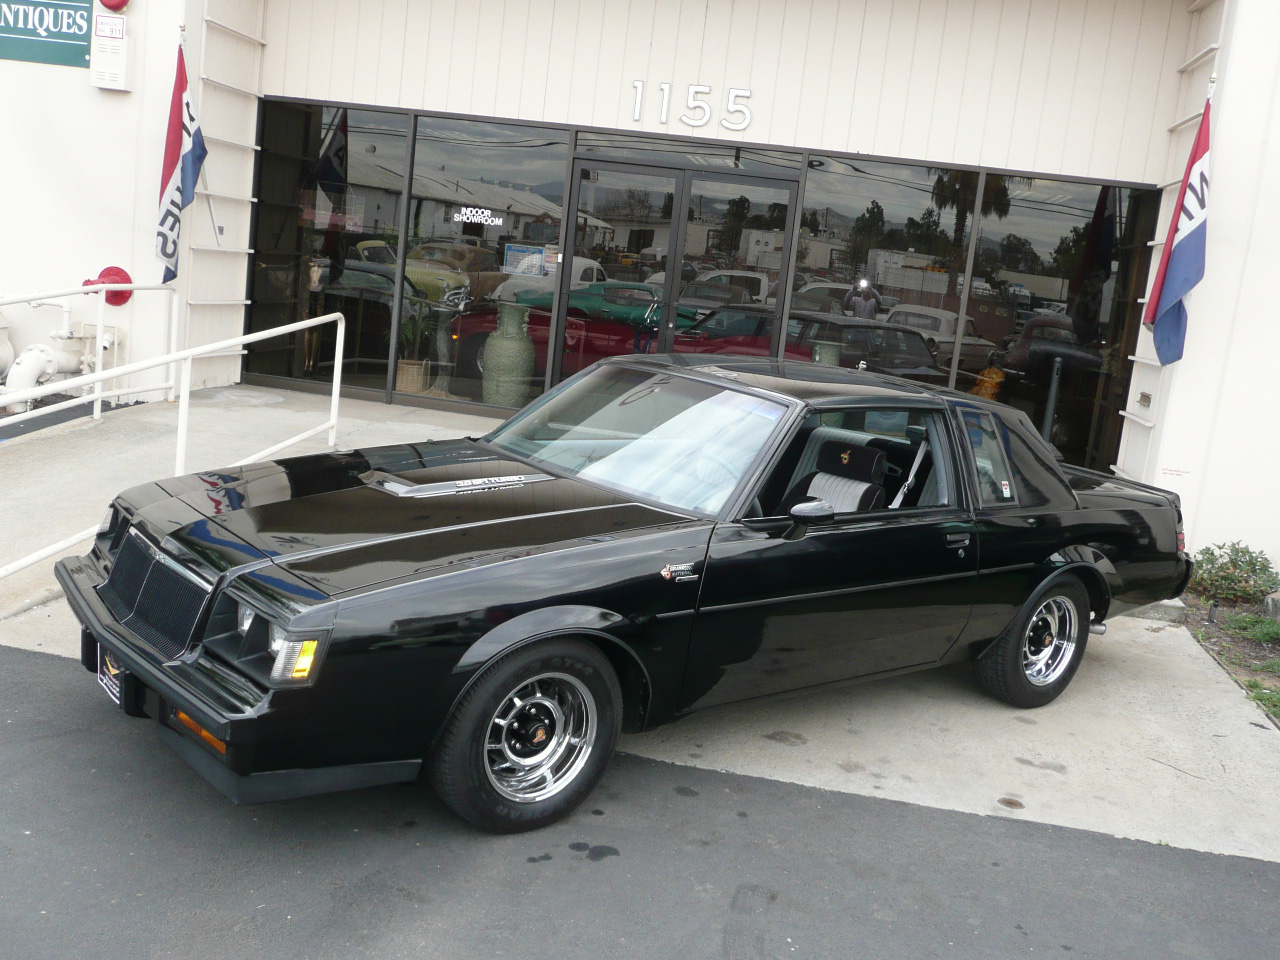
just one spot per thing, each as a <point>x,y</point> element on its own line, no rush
<point>1034,660</point>
<point>531,738</point>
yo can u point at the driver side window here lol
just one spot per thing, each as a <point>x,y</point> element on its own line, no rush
<point>863,460</point>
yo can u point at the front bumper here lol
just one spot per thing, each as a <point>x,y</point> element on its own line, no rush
<point>225,705</point>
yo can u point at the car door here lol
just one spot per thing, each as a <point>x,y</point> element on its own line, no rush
<point>872,593</point>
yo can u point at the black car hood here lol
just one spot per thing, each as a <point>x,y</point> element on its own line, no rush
<point>331,521</point>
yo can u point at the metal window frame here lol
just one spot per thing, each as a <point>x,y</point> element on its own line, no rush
<point>572,132</point>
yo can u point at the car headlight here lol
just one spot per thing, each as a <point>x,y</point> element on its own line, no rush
<point>267,650</point>
<point>244,618</point>
<point>295,655</point>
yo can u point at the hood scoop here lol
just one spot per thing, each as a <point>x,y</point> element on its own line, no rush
<point>400,487</point>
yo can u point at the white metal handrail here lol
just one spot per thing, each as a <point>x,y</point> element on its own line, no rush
<point>101,289</point>
<point>185,358</point>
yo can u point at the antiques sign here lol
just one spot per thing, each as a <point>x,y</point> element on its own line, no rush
<point>46,31</point>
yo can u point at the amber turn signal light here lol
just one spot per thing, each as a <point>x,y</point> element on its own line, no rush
<point>200,732</point>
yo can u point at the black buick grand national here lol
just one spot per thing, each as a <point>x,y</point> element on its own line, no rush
<point>656,535</point>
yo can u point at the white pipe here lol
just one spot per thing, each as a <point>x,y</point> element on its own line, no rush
<point>37,362</point>
<point>6,350</point>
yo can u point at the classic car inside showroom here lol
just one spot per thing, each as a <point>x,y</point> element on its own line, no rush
<point>675,356</point>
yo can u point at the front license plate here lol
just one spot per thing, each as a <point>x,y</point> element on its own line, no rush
<point>110,673</point>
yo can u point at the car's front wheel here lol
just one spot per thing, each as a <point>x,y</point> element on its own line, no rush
<point>1035,659</point>
<point>531,738</point>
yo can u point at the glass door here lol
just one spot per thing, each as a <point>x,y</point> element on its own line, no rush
<point>663,260</point>
<point>735,251</point>
<point>615,288</point>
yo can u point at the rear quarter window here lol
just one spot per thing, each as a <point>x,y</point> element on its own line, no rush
<point>987,440</point>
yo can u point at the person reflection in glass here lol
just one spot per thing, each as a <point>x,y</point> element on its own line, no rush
<point>863,301</point>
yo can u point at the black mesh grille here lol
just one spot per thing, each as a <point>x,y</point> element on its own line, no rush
<point>124,583</point>
<point>152,599</point>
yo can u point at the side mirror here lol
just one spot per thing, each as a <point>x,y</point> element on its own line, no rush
<point>810,513</point>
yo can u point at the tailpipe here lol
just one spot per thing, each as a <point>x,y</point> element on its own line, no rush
<point>1098,629</point>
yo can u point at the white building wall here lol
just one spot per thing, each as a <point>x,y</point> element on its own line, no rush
<point>1083,88</point>
<point>1215,438</point>
<point>81,170</point>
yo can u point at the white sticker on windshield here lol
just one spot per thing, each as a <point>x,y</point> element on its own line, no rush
<point>1004,488</point>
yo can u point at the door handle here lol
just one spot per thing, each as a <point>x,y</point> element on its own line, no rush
<point>957,539</point>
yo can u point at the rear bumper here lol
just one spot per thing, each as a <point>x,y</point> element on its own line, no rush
<point>1187,574</point>
<point>159,689</point>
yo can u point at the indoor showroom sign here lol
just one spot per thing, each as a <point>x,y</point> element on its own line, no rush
<point>46,31</point>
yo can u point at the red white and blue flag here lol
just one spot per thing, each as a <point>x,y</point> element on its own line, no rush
<point>184,153</point>
<point>1182,263</point>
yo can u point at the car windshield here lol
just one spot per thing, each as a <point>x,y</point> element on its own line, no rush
<point>666,438</point>
<point>379,253</point>
<point>629,295</point>
<point>718,292</point>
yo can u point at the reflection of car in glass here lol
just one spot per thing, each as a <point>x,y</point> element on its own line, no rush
<point>584,271</point>
<point>883,348</point>
<point>705,297</point>
<point>1044,339</point>
<point>939,329</point>
<point>434,280</point>
<point>754,282</point>
<point>839,291</point>
<point>658,535</point>
<point>604,320</point>
<point>478,263</point>
<point>631,303</point>
<point>687,273</point>
<point>364,293</point>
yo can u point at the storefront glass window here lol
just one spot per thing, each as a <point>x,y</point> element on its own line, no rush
<point>673,152</point>
<point>1058,270</point>
<point>330,183</point>
<point>485,210</point>
<point>885,243</point>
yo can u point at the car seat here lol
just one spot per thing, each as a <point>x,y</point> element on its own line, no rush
<point>849,476</point>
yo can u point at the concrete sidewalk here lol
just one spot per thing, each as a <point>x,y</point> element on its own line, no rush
<point>59,480</point>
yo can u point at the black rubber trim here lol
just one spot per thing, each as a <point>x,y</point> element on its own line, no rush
<point>1186,578</point>
<point>286,784</point>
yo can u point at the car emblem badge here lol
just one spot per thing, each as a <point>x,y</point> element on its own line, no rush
<point>539,735</point>
<point>844,457</point>
<point>678,572</point>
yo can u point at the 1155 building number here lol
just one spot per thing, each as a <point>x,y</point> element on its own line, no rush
<point>699,114</point>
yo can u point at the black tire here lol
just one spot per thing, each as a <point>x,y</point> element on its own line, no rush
<point>1020,667</point>
<point>462,771</point>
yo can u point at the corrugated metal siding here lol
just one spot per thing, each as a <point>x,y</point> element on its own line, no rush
<point>1083,88</point>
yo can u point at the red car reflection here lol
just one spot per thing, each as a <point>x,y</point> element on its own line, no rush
<point>742,330</point>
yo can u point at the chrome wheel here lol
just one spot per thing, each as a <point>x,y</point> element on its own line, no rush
<point>1049,641</point>
<point>540,737</point>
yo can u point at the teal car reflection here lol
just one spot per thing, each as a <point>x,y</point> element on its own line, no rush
<point>635,304</point>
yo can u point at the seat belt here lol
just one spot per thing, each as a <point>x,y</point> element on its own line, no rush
<point>911,477</point>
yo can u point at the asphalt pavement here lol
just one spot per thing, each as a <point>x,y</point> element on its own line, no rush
<point>111,847</point>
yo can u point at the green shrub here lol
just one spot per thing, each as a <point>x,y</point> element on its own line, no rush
<point>1234,574</point>
<point>1262,629</point>
<point>1264,696</point>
